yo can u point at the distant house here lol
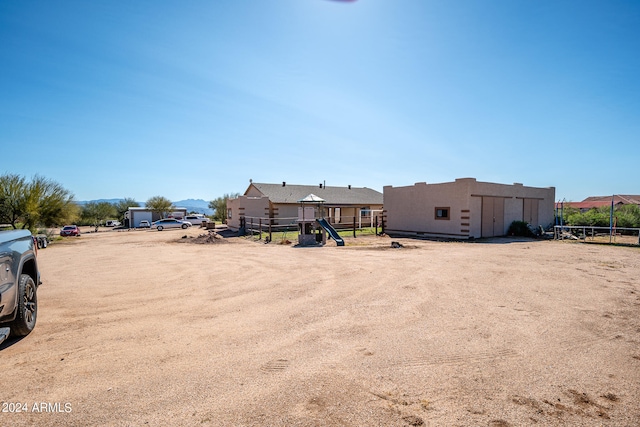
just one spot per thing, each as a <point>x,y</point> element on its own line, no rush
<point>595,202</point>
<point>281,201</point>
<point>465,208</point>
<point>134,215</point>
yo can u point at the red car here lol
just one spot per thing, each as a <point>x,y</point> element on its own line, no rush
<point>70,230</point>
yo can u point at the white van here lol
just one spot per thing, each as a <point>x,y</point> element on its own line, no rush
<point>196,219</point>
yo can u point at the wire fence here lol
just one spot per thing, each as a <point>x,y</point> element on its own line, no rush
<point>592,234</point>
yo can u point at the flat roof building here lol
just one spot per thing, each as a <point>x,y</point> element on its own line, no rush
<point>465,208</point>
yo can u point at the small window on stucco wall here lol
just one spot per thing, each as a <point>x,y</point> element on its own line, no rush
<point>442,213</point>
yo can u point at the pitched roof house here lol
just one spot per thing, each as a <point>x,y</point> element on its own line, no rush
<point>595,202</point>
<point>617,199</point>
<point>281,201</point>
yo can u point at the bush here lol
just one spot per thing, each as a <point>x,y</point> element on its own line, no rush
<point>626,216</point>
<point>520,228</point>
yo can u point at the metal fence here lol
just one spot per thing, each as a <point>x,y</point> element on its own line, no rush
<point>592,234</point>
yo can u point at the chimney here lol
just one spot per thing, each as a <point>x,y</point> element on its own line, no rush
<point>349,186</point>
<point>284,183</point>
<point>320,185</point>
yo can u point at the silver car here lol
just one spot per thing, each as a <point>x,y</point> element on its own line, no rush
<point>170,223</point>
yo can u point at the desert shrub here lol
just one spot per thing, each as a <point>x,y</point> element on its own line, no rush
<point>520,228</point>
<point>628,216</point>
<point>594,217</point>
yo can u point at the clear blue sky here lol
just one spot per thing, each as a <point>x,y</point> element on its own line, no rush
<point>192,99</point>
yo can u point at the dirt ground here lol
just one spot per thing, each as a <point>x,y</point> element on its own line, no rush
<point>145,328</point>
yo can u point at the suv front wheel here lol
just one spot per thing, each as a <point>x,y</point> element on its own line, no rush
<point>27,309</point>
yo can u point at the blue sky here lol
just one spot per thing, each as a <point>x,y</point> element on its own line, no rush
<point>192,99</point>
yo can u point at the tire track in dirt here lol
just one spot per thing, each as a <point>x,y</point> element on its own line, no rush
<point>457,358</point>
<point>277,365</point>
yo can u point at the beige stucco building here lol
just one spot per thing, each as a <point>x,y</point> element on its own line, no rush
<point>465,208</point>
<point>279,203</point>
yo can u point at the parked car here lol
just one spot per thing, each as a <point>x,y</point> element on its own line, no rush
<point>144,224</point>
<point>112,223</point>
<point>170,223</point>
<point>196,219</point>
<point>70,230</point>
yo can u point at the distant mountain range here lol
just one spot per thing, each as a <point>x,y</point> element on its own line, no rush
<point>191,205</point>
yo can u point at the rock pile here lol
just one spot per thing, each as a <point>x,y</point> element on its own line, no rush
<point>208,238</point>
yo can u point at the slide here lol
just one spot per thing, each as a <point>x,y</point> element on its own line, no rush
<point>332,231</point>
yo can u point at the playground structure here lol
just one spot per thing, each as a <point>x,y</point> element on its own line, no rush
<point>332,231</point>
<point>312,226</point>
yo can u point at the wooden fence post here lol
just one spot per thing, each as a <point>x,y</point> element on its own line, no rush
<point>354,226</point>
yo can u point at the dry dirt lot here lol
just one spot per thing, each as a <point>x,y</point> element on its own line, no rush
<point>144,328</point>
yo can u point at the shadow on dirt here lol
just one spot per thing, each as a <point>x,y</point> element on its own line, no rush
<point>10,341</point>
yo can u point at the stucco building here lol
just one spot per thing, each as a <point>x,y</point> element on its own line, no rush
<point>465,208</point>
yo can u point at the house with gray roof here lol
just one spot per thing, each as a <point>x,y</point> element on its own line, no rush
<point>279,203</point>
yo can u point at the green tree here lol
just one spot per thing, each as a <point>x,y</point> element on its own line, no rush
<point>94,213</point>
<point>566,213</point>
<point>160,204</point>
<point>628,216</point>
<point>123,206</point>
<point>38,202</point>
<point>47,203</point>
<point>12,190</point>
<point>219,206</point>
<point>597,217</point>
